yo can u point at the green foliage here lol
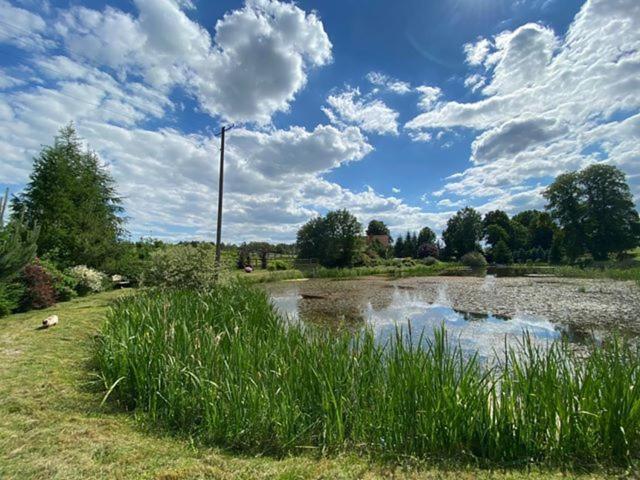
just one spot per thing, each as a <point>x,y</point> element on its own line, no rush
<point>427,236</point>
<point>334,240</point>
<point>595,209</point>
<point>278,265</point>
<point>10,295</point>
<point>556,254</point>
<point>64,285</point>
<point>410,245</point>
<point>17,248</point>
<point>182,266</point>
<point>132,259</point>
<point>496,234</point>
<point>463,233</point>
<point>377,227</point>
<point>502,254</point>
<point>73,200</point>
<point>224,368</point>
<point>398,248</point>
<point>473,260</point>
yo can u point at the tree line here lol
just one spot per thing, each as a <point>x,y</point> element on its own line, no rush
<point>589,213</point>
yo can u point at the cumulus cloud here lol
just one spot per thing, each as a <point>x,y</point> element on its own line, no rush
<point>349,107</point>
<point>549,104</point>
<point>253,67</point>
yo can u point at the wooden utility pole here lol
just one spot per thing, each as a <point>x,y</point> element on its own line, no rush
<point>220,185</point>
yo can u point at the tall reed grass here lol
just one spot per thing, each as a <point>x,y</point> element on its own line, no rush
<point>223,367</point>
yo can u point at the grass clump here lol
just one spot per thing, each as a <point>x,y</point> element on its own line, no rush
<point>223,367</point>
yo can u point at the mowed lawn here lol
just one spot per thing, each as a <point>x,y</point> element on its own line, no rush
<point>53,426</point>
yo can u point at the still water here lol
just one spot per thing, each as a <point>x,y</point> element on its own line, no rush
<point>337,304</point>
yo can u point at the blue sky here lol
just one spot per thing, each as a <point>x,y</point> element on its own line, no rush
<point>402,112</point>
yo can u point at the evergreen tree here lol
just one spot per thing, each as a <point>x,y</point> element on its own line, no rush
<point>398,248</point>
<point>502,254</point>
<point>73,200</point>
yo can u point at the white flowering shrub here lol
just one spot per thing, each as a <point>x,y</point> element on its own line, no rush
<point>89,280</point>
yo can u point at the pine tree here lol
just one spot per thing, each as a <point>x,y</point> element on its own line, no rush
<point>73,200</point>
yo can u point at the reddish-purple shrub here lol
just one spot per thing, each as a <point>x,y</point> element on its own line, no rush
<point>428,250</point>
<point>38,287</point>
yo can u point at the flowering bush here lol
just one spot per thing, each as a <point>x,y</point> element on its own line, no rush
<point>182,266</point>
<point>89,280</point>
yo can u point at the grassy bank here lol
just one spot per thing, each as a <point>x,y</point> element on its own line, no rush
<point>223,368</point>
<point>355,272</point>
<point>53,426</point>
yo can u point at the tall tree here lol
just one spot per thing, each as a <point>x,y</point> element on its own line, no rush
<point>426,235</point>
<point>398,248</point>
<point>377,227</point>
<point>463,232</point>
<point>611,220</point>
<point>565,203</point>
<point>333,239</point>
<point>73,199</point>
<point>595,209</point>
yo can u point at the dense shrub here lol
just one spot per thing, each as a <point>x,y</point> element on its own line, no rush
<point>428,261</point>
<point>182,266</point>
<point>428,250</point>
<point>88,279</point>
<point>279,265</point>
<point>474,260</point>
<point>38,287</point>
<point>10,295</point>
<point>64,285</point>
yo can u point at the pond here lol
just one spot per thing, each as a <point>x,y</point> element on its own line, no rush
<point>481,313</point>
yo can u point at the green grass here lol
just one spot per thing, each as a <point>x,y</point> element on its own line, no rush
<point>611,273</point>
<point>223,368</point>
<point>261,276</point>
<point>53,426</point>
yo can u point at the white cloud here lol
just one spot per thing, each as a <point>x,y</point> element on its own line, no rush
<point>550,103</point>
<point>21,28</point>
<point>477,52</point>
<point>350,108</point>
<point>428,97</point>
<point>392,84</point>
<point>420,136</point>
<point>475,82</point>
<point>254,67</point>
<point>395,190</point>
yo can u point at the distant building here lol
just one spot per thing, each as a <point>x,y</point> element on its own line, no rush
<point>384,240</point>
